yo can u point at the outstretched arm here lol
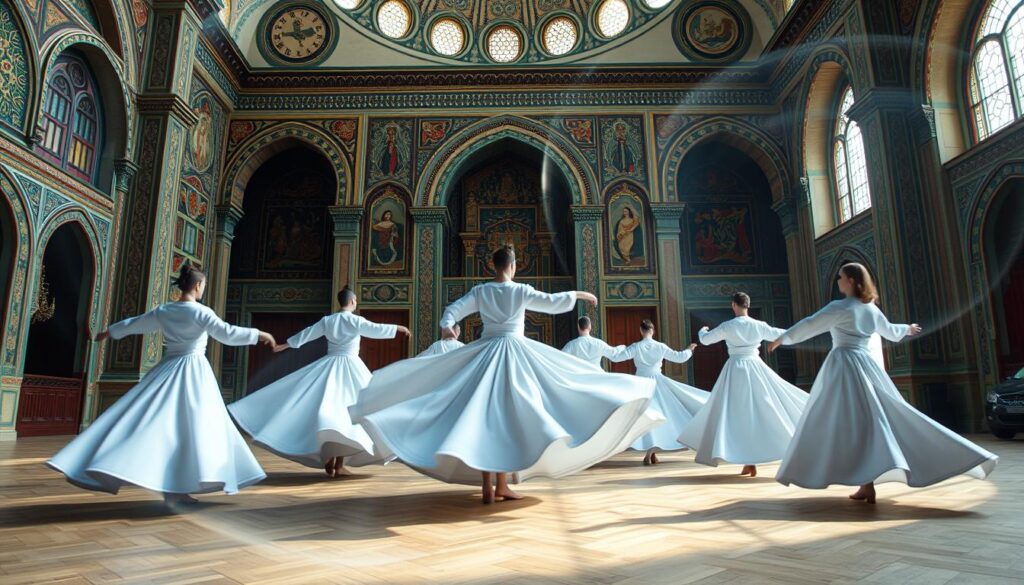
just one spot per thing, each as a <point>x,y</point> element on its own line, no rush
<point>894,331</point>
<point>373,330</point>
<point>144,323</point>
<point>681,356</point>
<point>710,337</point>
<point>556,303</point>
<point>809,327</point>
<point>459,310</point>
<point>314,331</point>
<point>231,335</point>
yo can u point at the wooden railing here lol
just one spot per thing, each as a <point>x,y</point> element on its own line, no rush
<point>49,406</point>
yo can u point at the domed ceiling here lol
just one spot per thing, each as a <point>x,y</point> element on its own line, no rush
<point>346,33</point>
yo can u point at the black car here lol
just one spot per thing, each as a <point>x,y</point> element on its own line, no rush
<point>1004,407</point>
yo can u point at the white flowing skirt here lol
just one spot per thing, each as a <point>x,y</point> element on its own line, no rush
<point>170,434</point>
<point>304,415</point>
<point>750,417</point>
<point>503,404</point>
<point>858,429</point>
<point>678,403</point>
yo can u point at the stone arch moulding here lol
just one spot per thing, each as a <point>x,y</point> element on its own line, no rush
<point>77,215</point>
<point>443,167</point>
<point>973,229</point>
<point>22,257</point>
<point>825,56</point>
<point>118,105</point>
<point>738,134</point>
<point>262,146</point>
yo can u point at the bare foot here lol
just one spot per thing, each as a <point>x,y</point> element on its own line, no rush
<point>506,493</point>
<point>487,488</point>
<point>750,470</point>
<point>866,493</point>
<point>342,470</point>
<point>647,458</point>
<point>329,466</point>
<point>654,458</point>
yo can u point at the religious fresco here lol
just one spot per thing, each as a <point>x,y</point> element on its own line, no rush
<point>205,138</point>
<point>629,238</point>
<point>722,235</point>
<point>622,153</point>
<point>390,151</point>
<point>387,233</point>
<point>713,31</point>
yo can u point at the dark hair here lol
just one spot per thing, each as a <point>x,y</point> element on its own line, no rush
<point>646,325</point>
<point>504,257</point>
<point>583,322</point>
<point>742,300</point>
<point>346,295</point>
<point>864,286</point>
<point>188,278</point>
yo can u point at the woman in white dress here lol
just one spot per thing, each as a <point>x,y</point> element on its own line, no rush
<point>304,415</point>
<point>449,341</point>
<point>503,405</point>
<point>676,401</point>
<point>752,412</point>
<point>589,348</point>
<point>171,432</point>
<point>857,429</point>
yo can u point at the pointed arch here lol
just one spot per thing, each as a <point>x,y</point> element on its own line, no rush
<point>262,146</point>
<point>738,134</point>
<point>21,257</point>
<point>444,165</point>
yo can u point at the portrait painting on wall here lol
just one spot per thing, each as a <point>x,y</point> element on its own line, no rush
<point>390,150</point>
<point>387,231</point>
<point>628,236</point>
<point>716,30</point>
<point>294,238</point>
<point>722,235</point>
<point>623,150</point>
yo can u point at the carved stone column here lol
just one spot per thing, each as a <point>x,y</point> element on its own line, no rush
<point>347,222</point>
<point>586,221</point>
<point>667,231</point>
<point>432,225</point>
<point>226,218</point>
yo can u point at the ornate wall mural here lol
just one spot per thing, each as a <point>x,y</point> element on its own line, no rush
<point>622,152</point>
<point>14,77</point>
<point>390,151</point>
<point>716,31</point>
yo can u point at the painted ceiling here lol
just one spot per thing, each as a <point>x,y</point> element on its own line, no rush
<point>449,33</point>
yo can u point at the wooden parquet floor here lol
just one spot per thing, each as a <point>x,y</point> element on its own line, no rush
<point>618,523</point>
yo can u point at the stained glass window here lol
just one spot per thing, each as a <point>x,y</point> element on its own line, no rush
<point>612,17</point>
<point>560,35</point>
<point>849,163</point>
<point>71,123</point>
<point>447,36</point>
<point>394,19</point>
<point>995,86</point>
<point>504,44</point>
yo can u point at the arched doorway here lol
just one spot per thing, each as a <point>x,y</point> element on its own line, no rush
<point>511,192</point>
<point>1003,238</point>
<point>280,271</point>
<point>8,229</point>
<point>52,388</point>
<point>731,240</point>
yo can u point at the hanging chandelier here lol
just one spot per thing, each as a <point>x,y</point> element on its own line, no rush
<point>45,305</point>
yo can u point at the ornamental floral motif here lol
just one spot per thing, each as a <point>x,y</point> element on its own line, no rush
<point>504,8</point>
<point>13,70</point>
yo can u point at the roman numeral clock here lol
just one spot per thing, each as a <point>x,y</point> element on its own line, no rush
<point>297,33</point>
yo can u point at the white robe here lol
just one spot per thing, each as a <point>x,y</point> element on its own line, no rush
<point>304,415</point>
<point>503,403</point>
<point>170,433</point>
<point>676,401</point>
<point>591,349</point>
<point>441,346</point>
<point>857,428</point>
<point>752,413</point>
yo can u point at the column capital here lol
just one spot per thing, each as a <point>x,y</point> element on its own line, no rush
<point>346,220</point>
<point>882,98</point>
<point>433,214</point>
<point>786,209</point>
<point>666,217</point>
<point>124,170</point>
<point>167,103</point>
<point>587,212</point>
<point>227,217</point>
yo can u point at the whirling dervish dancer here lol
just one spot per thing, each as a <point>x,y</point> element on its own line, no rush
<point>857,428</point>
<point>504,408</point>
<point>170,433</point>
<point>752,413</point>
<point>304,415</point>
<point>676,401</point>
<point>589,348</point>
<point>449,341</point>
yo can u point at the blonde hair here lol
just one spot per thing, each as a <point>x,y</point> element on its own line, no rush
<point>863,285</point>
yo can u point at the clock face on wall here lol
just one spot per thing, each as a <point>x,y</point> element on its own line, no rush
<point>298,33</point>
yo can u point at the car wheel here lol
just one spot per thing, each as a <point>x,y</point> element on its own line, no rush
<point>1004,434</point>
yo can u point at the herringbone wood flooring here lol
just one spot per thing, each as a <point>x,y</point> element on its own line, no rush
<point>618,523</point>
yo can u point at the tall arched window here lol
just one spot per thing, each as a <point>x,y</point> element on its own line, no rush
<point>849,162</point>
<point>996,82</point>
<point>72,122</point>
